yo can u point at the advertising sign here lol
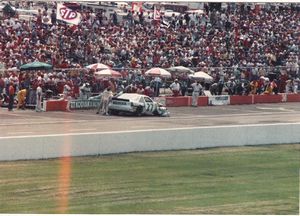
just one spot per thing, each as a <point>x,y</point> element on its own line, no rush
<point>219,100</point>
<point>84,104</point>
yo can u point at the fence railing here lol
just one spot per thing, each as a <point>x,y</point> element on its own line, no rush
<point>232,70</point>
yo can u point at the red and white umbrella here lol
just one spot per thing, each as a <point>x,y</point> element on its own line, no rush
<point>108,73</point>
<point>158,72</point>
<point>98,66</point>
<point>180,69</point>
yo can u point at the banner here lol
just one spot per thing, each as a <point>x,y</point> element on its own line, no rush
<point>68,15</point>
<point>137,6</point>
<point>219,100</point>
<point>156,14</point>
<point>84,104</point>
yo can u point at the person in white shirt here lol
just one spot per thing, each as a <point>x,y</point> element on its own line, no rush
<point>67,97</point>
<point>175,87</point>
<point>197,88</point>
<point>106,97</point>
<point>39,92</point>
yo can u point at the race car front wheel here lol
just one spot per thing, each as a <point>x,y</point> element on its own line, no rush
<point>113,112</point>
<point>139,111</point>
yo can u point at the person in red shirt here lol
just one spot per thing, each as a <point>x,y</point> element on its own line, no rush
<point>11,93</point>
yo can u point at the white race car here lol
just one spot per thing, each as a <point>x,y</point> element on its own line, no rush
<point>137,104</point>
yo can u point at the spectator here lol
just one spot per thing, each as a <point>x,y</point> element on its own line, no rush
<point>175,87</point>
<point>236,38</point>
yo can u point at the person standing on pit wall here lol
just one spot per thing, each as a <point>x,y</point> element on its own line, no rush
<point>175,87</point>
<point>39,93</point>
<point>106,97</point>
<point>197,89</point>
<point>11,94</point>
<point>21,99</point>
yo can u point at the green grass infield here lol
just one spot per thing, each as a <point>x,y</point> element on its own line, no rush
<point>232,180</point>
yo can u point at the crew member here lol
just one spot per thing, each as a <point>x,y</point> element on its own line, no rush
<point>175,87</point>
<point>67,95</point>
<point>11,94</point>
<point>39,92</point>
<point>197,88</point>
<point>106,97</point>
<point>21,99</point>
<point>140,90</point>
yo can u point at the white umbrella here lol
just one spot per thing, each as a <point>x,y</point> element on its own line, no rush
<point>158,72</point>
<point>180,69</point>
<point>202,75</point>
<point>108,73</point>
<point>98,66</point>
<point>195,11</point>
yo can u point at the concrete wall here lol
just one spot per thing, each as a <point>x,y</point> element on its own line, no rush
<point>79,144</point>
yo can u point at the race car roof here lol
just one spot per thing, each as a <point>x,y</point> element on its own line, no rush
<point>131,96</point>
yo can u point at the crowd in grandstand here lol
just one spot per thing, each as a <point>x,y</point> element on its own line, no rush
<point>237,45</point>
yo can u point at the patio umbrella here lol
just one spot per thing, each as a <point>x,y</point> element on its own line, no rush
<point>108,73</point>
<point>202,75</point>
<point>13,69</point>
<point>180,69</point>
<point>98,66</point>
<point>36,66</point>
<point>158,72</point>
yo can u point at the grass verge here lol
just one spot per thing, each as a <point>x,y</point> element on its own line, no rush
<point>235,180</point>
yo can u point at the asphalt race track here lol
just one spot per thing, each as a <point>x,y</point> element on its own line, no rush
<point>29,122</point>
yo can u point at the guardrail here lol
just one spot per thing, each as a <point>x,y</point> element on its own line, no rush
<point>60,105</point>
<point>100,143</point>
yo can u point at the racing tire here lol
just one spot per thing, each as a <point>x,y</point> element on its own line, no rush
<point>156,113</point>
<point>139,111</point>
<point>113,112</point>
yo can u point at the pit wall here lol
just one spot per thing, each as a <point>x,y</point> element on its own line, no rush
<point>101,143</point>
<point>231,100</point>
<point>60,105</point>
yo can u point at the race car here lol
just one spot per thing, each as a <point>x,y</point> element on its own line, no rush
<point>137,104</point>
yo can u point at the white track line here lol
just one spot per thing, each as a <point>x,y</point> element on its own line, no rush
<point>83,129</point>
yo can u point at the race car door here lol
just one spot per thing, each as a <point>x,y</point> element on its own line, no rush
<point>149,105</point>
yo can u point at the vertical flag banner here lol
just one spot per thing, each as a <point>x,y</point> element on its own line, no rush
<point>137,6</point>
<point>68,15</point>
<point>156,14</point>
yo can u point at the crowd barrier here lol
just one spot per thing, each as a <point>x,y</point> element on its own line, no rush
<point>240,100</point>
<point>55,105</point>
<point>101,143</point>
<point>180,101</point>
<point>293,97</point>
<point>232,100</point>
<point>269,98</point>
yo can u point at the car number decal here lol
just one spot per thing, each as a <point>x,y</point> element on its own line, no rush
<point>149,107</point>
